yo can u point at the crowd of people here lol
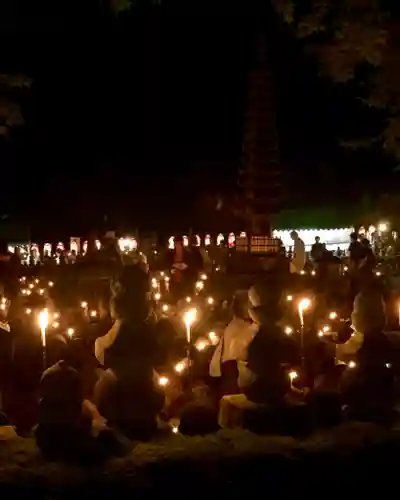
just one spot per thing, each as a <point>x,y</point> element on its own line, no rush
<point>103,389</point>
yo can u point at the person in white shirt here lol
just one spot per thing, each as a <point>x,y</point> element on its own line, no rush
<point>229,362</point>
<point>299,254</point>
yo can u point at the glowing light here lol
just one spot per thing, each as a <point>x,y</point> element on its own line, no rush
<point>51,284</point>
<point>157,296</point>
<point>207,240</point>
<point>28,311</point>
<point>302,272</point>
<point>36,281</point>
<point>210,301</point>
<point>175,429</point>
<point>201,344</point>
<point>165,307</point>
<point>185,241</point>
<point>199,285</point>
<point>288,330</point>
<point>313,273</point>
<point>326,329</point>
<point>43,323</point>
<point>383,226</point>
<point>352,364</point>
<point>31,285</point>
<point>213,337</point>
<point>304,304</point>
<point>220,239</point>
<point>189,318</point>
<point>345,269</point>
<point>289,298</point>
<point>163,381</point>
<point>378,273</point>
<point>41,291</point>
<point>84,305</point>
<point>188,300</point>
<point>127,244</point>
<point>93,314</point>
<point>320,333</point>
<point>333,315</point>
<point>70,332</point>
<point>181,366</point>
<point>203,277</point>
<point>56,315</point>
<point>293,375</point>
<point>56,324</point>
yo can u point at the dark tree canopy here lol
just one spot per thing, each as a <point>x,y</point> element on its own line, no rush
<point>353,36</point>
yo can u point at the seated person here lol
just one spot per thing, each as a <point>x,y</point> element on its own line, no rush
<point>127,394</point>
<point>229,362</point>
<point>65,417</point>
<point>270,352</point>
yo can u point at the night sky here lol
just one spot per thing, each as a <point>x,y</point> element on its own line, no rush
<point>139,118</point>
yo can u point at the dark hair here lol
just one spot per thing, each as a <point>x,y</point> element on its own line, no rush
<point>238,305</point>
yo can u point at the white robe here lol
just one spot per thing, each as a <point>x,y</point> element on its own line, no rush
<point>299,256</point>
<point>106,341</point>
<point>235,341</point>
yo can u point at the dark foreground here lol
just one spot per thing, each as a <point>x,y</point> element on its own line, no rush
<point>350,458</point>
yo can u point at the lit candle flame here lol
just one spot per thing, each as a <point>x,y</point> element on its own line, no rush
<point>201,344</point>
<point>163,381</point>
<point>304,304</point>
<point>333,315</point>
<point>43,323</point>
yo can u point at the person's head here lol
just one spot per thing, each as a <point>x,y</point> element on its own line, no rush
<point>317,239</point>
<point>365,243</point>
<point>76,354</point>
<point>353,237</point>
<point>264,303</point>
<point>240,305</point>
<point>294,235</point>
<point>104,306</point>
<point>369,312</point>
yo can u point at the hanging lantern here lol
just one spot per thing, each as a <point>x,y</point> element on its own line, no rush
<point>207,240</point>
<point>231,240</point>
<point>185,241</point>
<point>47,250</point>
<point>171,243</point>
<point>220,239</point>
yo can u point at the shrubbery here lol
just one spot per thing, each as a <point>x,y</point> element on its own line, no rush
<point>350,457</point>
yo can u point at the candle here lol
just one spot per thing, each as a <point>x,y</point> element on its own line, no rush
<point>43,323</point>
<point>189,319</point>
<point>304,304</point>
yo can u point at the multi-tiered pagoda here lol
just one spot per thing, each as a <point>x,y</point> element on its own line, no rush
<point>259,179</point>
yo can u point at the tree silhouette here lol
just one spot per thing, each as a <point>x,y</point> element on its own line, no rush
<point>10,112</point>
<point>350,36</point>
